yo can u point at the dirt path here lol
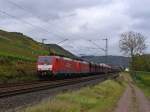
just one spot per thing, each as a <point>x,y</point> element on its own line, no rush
<point>133,100</point>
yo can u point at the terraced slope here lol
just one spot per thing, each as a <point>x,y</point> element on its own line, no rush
<point>19,46</point>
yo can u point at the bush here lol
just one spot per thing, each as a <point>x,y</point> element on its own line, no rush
<point>16,71</point>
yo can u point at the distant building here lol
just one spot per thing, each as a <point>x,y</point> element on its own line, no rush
<point>127,69</point>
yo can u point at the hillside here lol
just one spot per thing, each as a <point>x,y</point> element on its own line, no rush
<point>112,60</point>
<point>57,50</point>
<point>18,46</point>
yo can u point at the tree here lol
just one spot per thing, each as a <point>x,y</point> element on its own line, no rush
<point>132,43</point>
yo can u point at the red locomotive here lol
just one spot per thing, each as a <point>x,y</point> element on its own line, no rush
<point>60,66</point>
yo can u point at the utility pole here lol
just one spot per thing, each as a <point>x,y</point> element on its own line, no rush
<point>106,50</point>
<point>43,44</point>
<point>43,40</point>
<point>52,51</point>
<point>46,46</point>
<point>103,49</point>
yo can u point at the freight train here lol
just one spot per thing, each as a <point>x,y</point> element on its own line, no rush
<point>56,66</point>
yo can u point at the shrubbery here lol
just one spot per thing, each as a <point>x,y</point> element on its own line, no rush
<point>142,63</point>
<point>17,71</point>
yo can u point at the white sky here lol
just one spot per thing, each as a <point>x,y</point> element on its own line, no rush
<point>78,20</point>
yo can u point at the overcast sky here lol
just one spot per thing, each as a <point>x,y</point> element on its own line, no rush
<point>77,20</point>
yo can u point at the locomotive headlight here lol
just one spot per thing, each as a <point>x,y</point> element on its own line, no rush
<point>50,67</point>
<point>44,67</point>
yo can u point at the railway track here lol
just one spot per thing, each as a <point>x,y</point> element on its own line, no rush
<point>22,88</point>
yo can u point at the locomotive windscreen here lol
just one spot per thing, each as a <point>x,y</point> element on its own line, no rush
<point>45,60</point>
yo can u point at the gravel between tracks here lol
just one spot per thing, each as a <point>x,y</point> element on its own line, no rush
<point>11,104</point>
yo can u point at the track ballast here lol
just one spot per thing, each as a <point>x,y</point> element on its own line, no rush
<point>22,88</point>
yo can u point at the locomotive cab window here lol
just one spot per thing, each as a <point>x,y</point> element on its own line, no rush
<point>44,60</point>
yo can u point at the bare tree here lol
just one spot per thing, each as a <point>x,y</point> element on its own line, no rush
<point>132,43</point>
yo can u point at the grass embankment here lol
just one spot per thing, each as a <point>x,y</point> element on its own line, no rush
<point>143,81</point>
<point>99,98</point>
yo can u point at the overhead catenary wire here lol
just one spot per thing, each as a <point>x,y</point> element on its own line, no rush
<point>105,50</point>
<point>28,23</point>
<point>90,59</point>
<point>97,45</point>
<point>16,18</point>
<point>62,41</point>
<point>73,47</point>
<point>33,15</point>
<point>5,13</point>
<point>20,7</point>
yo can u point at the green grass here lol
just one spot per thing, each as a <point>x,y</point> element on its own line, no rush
<point>143,81</point>
<point>100,98</point>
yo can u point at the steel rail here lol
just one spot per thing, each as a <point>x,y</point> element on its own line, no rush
<point>27,88</point>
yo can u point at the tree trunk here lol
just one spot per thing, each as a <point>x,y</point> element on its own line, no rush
<point>132,63</point>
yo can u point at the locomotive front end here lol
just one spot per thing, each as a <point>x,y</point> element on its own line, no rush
<point>44,66</point>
